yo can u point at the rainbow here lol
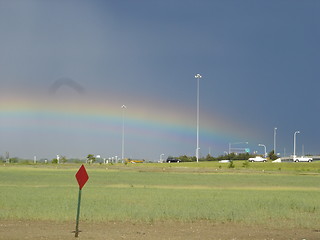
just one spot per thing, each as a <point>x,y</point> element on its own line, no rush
<point>104,117</point>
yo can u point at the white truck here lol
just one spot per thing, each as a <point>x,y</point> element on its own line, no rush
<point>257,159</point>
<point>302,159</point>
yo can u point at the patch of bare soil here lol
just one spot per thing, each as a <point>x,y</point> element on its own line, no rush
<point>35,230</point>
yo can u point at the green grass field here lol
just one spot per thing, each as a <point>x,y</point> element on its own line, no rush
<point>285,194</point>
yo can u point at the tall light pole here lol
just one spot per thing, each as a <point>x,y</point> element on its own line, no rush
<point>274,140</point>
<point>198,76</point>
<point>122,152</point>
<point>265,149</point>
<point>294,144</point>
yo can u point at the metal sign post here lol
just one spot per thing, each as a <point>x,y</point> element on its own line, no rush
<point>78,214</point>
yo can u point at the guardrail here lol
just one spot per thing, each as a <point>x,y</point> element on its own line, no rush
<point>291,158</point>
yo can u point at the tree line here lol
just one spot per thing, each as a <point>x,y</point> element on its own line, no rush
<point>231,156</point>
<point>184,158</point>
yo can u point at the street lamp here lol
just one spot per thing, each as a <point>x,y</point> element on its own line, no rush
<point>274,140</point>
<point>234,144</point>
<point>294,144</point>
<point>265,149</point>
<point>122,152</point>
<point>198,76</point>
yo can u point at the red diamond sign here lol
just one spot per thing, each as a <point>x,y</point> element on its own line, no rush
<point>82,176</point>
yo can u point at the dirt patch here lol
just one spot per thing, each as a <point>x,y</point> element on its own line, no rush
<point>35,230</point>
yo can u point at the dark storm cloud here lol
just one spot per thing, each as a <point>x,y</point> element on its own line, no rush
<point>62,82</point>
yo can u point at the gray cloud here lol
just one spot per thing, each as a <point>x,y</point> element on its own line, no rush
<point>66,82</point>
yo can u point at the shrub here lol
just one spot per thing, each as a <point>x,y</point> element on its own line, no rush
<point>245,164</point>
<point>231,165</point>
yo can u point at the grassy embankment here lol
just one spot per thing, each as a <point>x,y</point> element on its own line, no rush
<point>261,193</point>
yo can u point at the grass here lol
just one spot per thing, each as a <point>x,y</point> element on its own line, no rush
<point>238,165</point>
<point>144,192</point>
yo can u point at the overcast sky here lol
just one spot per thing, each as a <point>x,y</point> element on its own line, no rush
<point>67,67</point>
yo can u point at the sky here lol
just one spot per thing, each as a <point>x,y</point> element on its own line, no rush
<point>67,67</point>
